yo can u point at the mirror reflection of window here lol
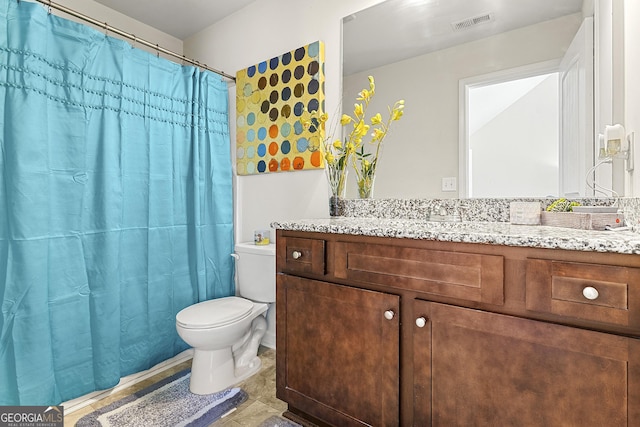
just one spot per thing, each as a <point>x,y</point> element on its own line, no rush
<point>513,137</point>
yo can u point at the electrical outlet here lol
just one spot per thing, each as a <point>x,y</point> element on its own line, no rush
<point>449,184</point>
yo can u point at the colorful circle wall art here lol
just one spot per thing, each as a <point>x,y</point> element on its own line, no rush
<point>271,97</point>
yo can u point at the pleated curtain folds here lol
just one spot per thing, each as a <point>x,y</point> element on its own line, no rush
<point>116,206</point>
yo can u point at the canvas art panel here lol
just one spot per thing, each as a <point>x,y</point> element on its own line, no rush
<point>271,98</point>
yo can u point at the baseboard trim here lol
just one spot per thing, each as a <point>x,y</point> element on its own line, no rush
<point>88,399</point>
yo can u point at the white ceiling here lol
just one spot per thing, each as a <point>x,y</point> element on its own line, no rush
<point>399,29</point>
<point>388,32</point>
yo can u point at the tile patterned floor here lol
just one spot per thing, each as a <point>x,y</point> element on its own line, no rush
<point>261,388</point>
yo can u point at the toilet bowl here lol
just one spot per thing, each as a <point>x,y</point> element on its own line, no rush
<point>225,333</point>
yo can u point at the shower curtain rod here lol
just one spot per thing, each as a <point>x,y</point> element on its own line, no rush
<point>130,36</point>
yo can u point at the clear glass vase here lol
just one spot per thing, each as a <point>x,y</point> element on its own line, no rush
<point>338,187</point>
<point>337,181</point>
<point>365,187</point>
<point>335,206</point>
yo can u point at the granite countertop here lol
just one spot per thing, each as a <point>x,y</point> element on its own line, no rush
<point>495,233</point>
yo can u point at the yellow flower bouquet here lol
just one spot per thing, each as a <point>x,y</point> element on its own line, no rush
<point>338,153</point>
<point>365,162</point>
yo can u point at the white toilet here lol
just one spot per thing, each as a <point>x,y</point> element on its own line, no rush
<point>225,333</point>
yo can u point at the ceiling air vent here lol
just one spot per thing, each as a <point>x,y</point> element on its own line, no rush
<point>471,22</point>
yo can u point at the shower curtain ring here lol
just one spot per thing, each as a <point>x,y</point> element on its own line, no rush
<point>135,40</point>
<point>157,50</point>
<point>106,29</point>
<point>49,9</point>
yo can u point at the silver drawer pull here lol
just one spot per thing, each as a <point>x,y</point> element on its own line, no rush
<point>389,314</point>
<point>590,293</point>
<point>296,254</point>
<point>421,322</point>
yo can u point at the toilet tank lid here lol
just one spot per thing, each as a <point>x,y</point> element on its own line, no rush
<point>252,248</point>
<point>214,313</point>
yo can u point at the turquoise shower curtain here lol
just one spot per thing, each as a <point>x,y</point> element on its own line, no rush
<point>115,205</point>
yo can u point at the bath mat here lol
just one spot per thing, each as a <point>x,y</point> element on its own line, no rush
<point>276,421</point>
<point>166,403</point>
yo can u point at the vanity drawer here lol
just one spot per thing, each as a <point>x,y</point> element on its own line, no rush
<point>302,255</point>
<point>601,293</point>
<point>467,276</point>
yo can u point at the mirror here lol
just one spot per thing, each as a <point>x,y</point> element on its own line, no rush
<point>433,53</point>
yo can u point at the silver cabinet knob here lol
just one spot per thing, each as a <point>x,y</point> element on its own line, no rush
<point>421,322</point>
<point>296,254</point>
<point>590,293</point>
<point>389,314</point>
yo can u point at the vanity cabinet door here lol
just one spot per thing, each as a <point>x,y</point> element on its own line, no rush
<point>485,369</point>
<point>338,352</point>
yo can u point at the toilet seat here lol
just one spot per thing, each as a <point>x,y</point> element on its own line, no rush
<point>214,313</point>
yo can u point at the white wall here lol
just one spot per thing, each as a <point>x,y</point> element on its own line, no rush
<point>122,22</point>
<point>423,147</point>
<point>260,31</point>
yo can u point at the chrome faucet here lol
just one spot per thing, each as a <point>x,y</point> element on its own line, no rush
<point>439,213</point>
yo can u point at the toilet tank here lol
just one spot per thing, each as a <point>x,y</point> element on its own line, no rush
<point>256,271</point>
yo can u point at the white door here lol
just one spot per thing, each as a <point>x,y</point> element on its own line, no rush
<point>576,110</point>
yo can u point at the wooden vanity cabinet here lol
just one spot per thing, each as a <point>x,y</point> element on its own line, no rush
<point>400,332</point>
<point>342,353</point>
<point>475,368</point>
